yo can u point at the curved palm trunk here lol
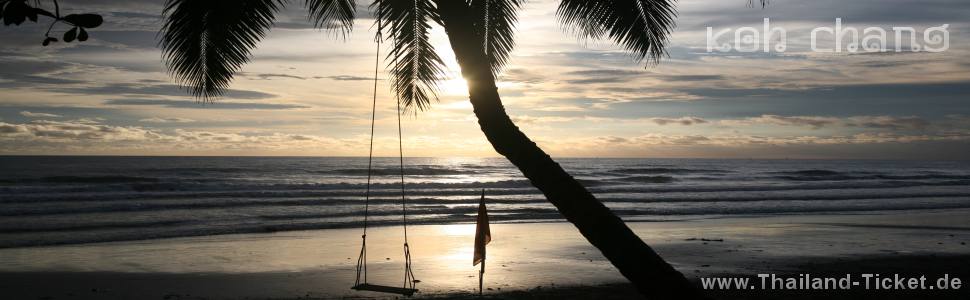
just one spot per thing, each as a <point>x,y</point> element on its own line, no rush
<point>651,275</point>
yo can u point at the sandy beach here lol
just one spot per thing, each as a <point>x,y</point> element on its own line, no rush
<point>528,260</point>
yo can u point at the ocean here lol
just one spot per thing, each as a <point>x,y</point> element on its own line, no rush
<point>48,200</point>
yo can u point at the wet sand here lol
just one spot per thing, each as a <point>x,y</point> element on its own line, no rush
<point>530,260</point>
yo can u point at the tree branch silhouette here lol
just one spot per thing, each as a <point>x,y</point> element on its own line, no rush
<point>16,12</point>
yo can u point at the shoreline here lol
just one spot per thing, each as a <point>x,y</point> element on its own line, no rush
<point>522,257</point>
<point>629,219</point>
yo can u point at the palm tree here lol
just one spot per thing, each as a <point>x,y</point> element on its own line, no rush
<point>206,42</point>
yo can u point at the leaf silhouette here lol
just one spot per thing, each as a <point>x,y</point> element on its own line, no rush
<point>31,15</point>
<point>496,24</point>
<point>85,20</point>
<point>332,14</point>
<point>641,26</point>
<point>205,42</point>
<point>15,13</point>
<point>415,65</point>
<point>70,35</point>
<point>82,35</point>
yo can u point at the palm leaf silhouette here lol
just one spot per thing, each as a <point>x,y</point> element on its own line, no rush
<point>496,20</point>
<point>205,42</point>
<point>415,65</point>
<point>641,26</point>
<point>332,14</point>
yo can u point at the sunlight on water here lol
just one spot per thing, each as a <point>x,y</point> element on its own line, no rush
<point>441,255</point>
<point>460,229</point>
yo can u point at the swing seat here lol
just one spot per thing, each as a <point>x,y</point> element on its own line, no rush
<point>384,289</point>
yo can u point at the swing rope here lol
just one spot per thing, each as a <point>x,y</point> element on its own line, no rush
<point>409,279</point>
<point>362,258</point>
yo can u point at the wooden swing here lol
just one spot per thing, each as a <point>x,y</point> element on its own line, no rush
<point>361,283</point>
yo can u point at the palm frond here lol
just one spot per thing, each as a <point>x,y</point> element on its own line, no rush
<point>332,14</point>
<point>496,23</point>
<point>415,65</point>
<point>205,42</point>
<point>641,26</point>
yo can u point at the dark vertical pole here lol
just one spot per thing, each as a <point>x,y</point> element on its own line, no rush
<point>481,277</point>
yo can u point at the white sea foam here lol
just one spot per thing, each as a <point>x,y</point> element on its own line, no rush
<point>63,200</point>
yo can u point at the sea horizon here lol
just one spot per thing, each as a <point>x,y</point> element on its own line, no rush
<point>501,157</point>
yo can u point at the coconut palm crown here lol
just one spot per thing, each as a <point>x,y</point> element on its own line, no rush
<point>206,42</point>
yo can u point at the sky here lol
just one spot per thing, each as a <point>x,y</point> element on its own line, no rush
<point>307,92</point>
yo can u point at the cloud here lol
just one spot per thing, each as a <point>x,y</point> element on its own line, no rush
<point>31,66</point>
<point>603,76</point>
<point>621,75</point>
<point>102,137</point>
<point>38,115</point>
<point>686,121</point>
<point>17,73</point>
<point>863,145</point>
<point>521,75</point>
<point>14,130</point>
<point>888,122</point>
<point>151,89</point>
<point>197,104</point>
<point>345,78</point>
<point>70,130</point>
<point>691,77</point>
<point>839,92</point>
<point>541,120</point>
<point>815,122</point>
<point>166,120</point>
<point>88,120</point>
<point>269,76</point>
<point>33,80</point>
<point>740,140</point>
<point>606,73</point>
